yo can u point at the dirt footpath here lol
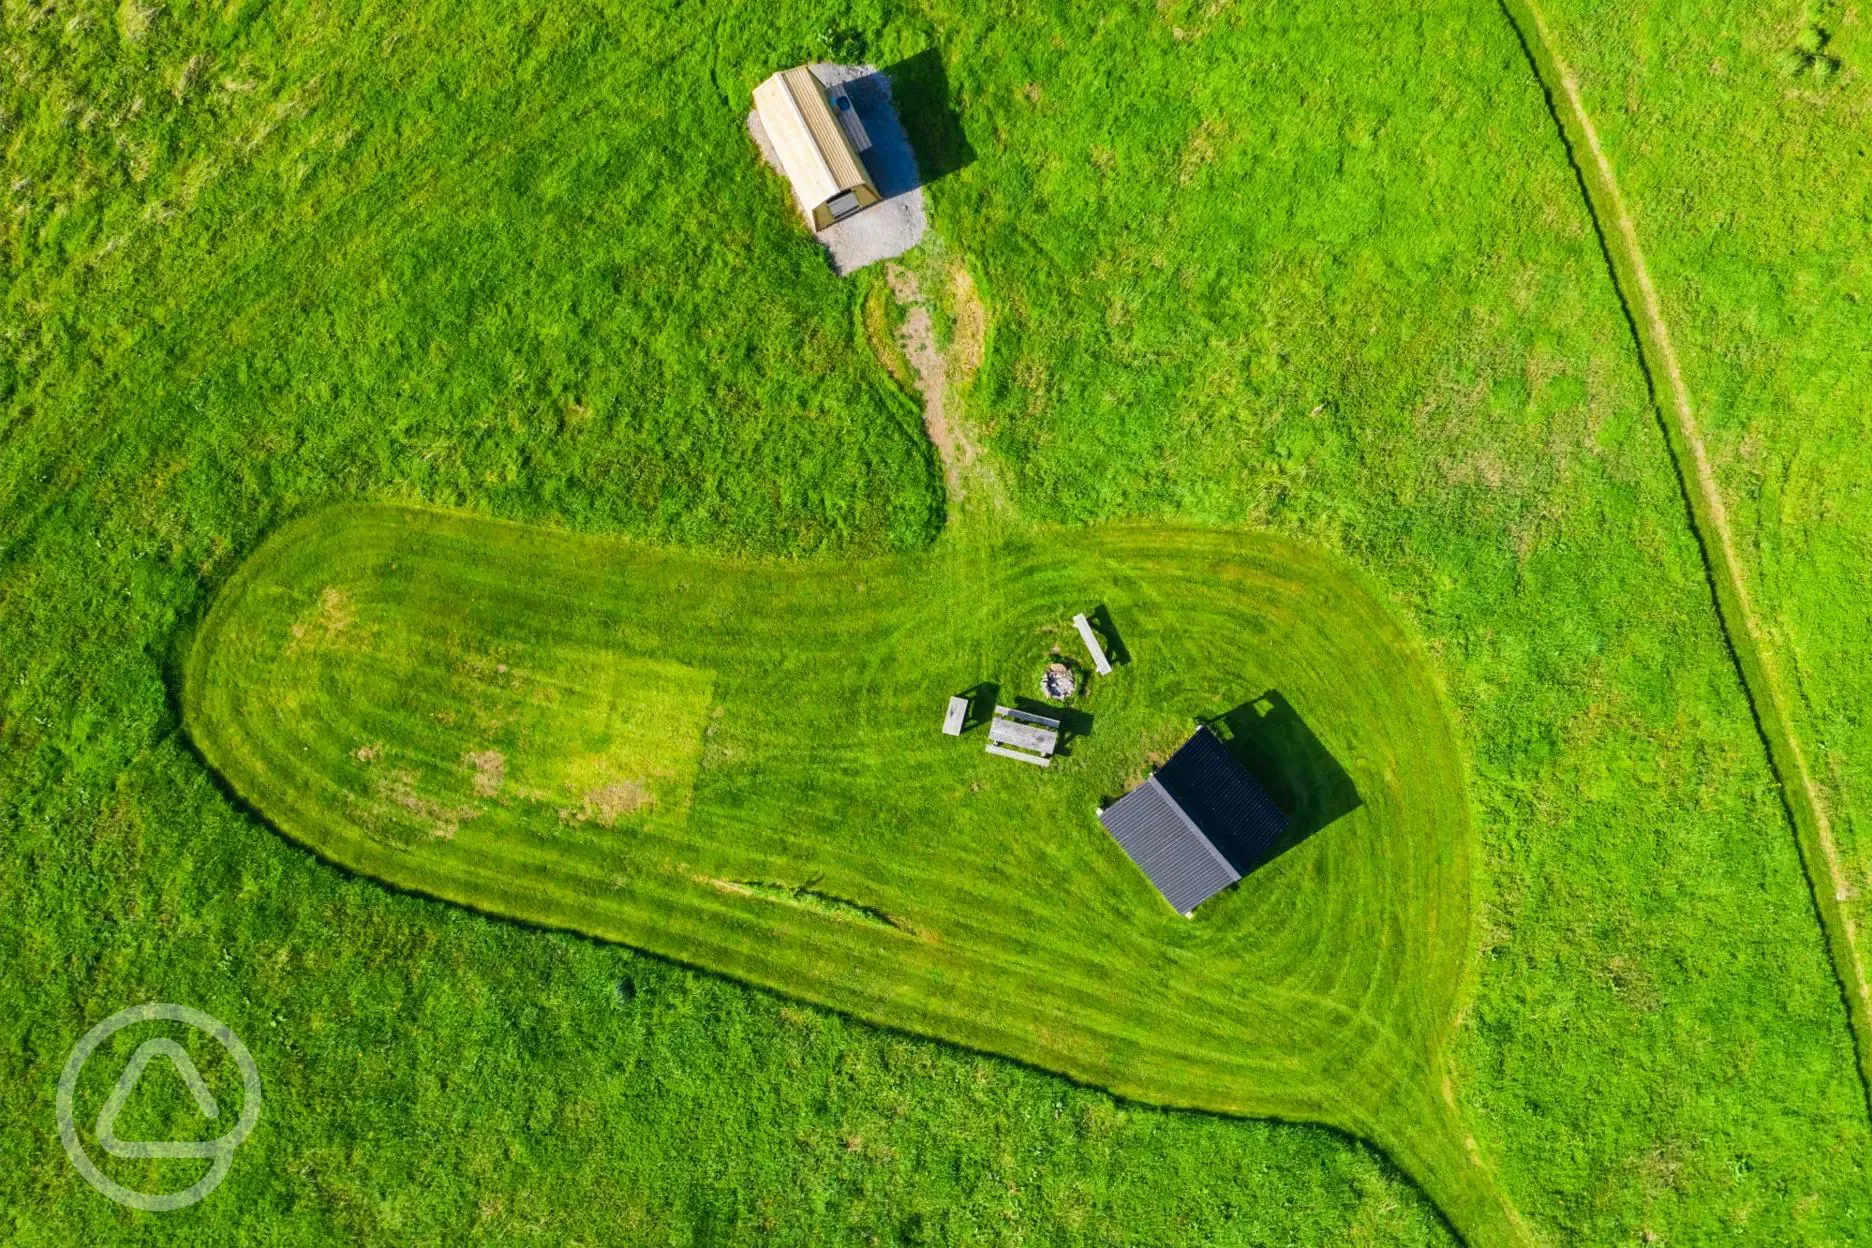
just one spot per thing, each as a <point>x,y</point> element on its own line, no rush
<point>966,475</point>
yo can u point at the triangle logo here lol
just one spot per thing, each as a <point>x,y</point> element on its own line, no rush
<point>127,1083</point>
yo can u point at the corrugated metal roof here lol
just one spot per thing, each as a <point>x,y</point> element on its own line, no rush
<point>1224,800</point>
<point>1197,825</point>
<point>1167,847</point>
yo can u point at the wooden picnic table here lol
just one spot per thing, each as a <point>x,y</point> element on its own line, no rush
<point>1030,738</point>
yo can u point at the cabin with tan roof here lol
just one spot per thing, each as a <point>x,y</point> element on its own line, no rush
<point>817,138</point>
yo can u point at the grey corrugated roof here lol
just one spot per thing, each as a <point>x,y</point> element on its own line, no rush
<point>1167,847</point>
<point>1197,825</point>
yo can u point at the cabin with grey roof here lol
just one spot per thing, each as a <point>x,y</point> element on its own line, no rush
<point>1197,825</point>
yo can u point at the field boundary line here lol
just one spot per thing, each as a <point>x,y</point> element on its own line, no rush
<point>1709,519</point>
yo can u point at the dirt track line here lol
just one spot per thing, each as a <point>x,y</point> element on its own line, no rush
<point>917,337</point>
<point>1735,609</point>
<point>968,478</point>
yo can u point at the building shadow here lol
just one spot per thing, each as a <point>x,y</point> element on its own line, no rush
<point>1268,737</point>
<point>1074,723</point>
<point>920,87</point>
<point>890,162</point>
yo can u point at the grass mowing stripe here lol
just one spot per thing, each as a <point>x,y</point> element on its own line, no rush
<point>1321,988</point>
<point>1483,449</point>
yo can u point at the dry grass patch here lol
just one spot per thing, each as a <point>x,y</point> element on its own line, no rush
<point>969,337</point>
<point>490,771</point>
<point>614,801</point>
<point>326,622</point>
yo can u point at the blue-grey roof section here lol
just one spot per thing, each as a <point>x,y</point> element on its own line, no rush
<point>1167,847</point>
<point>1198,825</point>
<point>1224,800</point>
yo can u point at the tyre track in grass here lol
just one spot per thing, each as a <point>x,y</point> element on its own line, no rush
<point>1709,520</point>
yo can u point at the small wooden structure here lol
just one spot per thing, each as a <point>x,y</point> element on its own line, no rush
<point>1198,825</point>
<point>952,719</point>
<point>1092,643</point>
<point>1017,734</point>
<point>817,142</point>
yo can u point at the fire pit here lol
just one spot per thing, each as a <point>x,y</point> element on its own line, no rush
<point>1058,682</point>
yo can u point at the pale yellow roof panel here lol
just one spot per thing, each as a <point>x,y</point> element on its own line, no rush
<point>813,148</point>
<point>828,135</point>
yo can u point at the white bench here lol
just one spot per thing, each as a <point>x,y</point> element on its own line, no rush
<point>952,720</point>
<point>1091,641</point>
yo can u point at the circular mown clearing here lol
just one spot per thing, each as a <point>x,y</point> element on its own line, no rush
<point>740,765</point>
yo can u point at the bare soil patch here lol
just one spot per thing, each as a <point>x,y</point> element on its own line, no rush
<point>442,820</point>
<point>612,802</point>
<point>490,771</point>
<point>965,473</point>
<point>917,337</point>
<point>326,622</point>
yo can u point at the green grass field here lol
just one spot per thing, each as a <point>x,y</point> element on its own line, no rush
<point>1325,274</point>
<point>1758,257</point>
<point>653,747</point>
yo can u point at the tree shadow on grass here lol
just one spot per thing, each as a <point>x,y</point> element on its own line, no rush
<point>1268,737</point>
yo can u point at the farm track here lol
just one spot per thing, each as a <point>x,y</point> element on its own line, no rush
<point>1742,627</point>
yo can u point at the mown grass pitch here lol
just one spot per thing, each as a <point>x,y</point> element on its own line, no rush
<point>738,764</point>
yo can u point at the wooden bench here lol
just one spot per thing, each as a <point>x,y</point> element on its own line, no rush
<point>1091,641</point>
<point>952,720</point>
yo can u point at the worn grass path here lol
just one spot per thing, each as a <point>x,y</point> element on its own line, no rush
<point>737,765</point>
<point>1748,638</point>
<point>976,497</point>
